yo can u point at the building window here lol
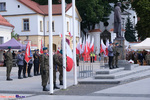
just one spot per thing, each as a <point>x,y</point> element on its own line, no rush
<point>67,26</point>
<point>2,6</point>
<point>18,6</point>
<point>53,26</point>
<point>26,24</point>
<point>41,26</point>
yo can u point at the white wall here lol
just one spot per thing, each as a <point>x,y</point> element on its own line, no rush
<point>12,8</point>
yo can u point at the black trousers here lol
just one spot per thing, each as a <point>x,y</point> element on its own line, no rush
<point>29,68</point>
<point>110,61</point>
<point>24,69</point>
<point>36,67</point>
<point>19,70</point>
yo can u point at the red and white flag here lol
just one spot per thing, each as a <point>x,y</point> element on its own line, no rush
<point>92,45</point>
<point>103,47</point>
<point>88,45</point>
<point>28,53</point>
<point>41,50</point>
<point>60,35</point>
<point>70,34</point>
<point>70,62</point>
<point>107,44</point>
<point>78,48</point>
<point>83,51</point>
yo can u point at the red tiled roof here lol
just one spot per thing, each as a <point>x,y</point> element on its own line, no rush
<point>113,29</point>
<point>95,30</point>
<point>43,9</point>
<point>4,22</point>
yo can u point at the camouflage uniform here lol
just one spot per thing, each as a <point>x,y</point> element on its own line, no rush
<point>9,63</point>
<point>115,58</point>
<point>44,69</point>
<point>61,70</point>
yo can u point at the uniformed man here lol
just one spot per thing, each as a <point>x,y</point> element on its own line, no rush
<point>116,55</point>
<point>25,64</point>
<point>77,59</point>
<point>9,63</point>
<point>147,57</point>
<point>110,55</point>
<point>60,67</point>
<point>45,68</point>
<point>36,63</point>
<point>56,62</point>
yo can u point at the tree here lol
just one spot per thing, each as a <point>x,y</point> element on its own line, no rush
<point>13,34</point>
<point>142,8</point>
<point>130,31</point>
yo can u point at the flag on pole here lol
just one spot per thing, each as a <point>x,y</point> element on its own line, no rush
<point>88,45</point>
<point>60,35</point>
<point>103,47</point>
<point>28,53</point>
<point>69,58</point>
<point>83,47</point>
<point>42,46</point>
<point>107,44</point>
<point>92,45</point>
<point>70,34</point>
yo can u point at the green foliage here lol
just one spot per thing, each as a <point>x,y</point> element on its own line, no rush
<point>130,31</point>
<point>142,8</point>
<point>13,34</point>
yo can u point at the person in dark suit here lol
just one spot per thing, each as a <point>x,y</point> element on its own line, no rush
<point>141,57</point>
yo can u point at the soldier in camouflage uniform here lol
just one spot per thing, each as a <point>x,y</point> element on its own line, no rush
<point>58,63</point>
<point>60,68</point>
<point>116,54</point>
<point>147,58</point>
<point>9,63</point>
<point>44,68</point>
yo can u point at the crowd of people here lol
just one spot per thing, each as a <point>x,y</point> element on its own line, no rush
<point>40,62</point>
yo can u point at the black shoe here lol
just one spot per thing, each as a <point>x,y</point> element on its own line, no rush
<point>45,89</point>
<point>55,87</point>
<point>61,83</point>
<point>20,78</point>
<point>35,74</point>
<point>9,79</point>
<point>24,76</point>
<point>39,74</point>
<point>30,76</point>
<point>117,67</point>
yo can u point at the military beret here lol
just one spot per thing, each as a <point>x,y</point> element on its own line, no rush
<point>110,42</point>
<point>9,47</point>
<point>116,43</point>
<point>37,50</point>
<point>61,51</point>
<point>23,49</point>
<point>45,48</point>
<point>19,51</point>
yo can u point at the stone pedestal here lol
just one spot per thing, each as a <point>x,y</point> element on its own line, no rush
<point>121,42</point>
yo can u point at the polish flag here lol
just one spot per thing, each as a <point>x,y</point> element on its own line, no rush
<point>107,44</point>
<point>60,35</point>
<point>70,62</point>
<point>83,47</point>
<point>28,53</point>
<point>88,45</point>
<point>92,45</point>
<point>70,34</point>
<point>78,48</point>
<point>41,50</point>
<point>103,47</point>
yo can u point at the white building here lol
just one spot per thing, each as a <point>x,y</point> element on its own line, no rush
<point>31,19</point>
<point>5,33</point>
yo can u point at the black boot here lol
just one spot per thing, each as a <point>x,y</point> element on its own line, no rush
<point>61,83</point>
<point>9,79</point>
<point>45,89</point>
<point>117,66</point>
<point>55,87</point>
<point>19,77</point>
<point>29,75</point>
<point>24,76</point>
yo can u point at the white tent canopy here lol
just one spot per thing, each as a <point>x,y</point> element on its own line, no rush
<point>143,45</point>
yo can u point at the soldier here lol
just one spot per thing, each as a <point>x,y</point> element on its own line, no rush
<point>20,63</point>
<point>110,55</point>
<point>77,59</point>
<point>36,63</point>
<point>30,67</point>
<point>44,68</point>
<point>116,54</point>
<point>25,64</point>
<point>147,57</point>
<point>9,63</point>
<point>60,67</point>
<point>57,62</point>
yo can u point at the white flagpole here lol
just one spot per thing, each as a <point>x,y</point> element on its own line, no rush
<point>50,47</point>
<point>74,43</point>
<point>64,41</point>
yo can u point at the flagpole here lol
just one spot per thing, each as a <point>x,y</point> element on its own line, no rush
<point>74,43</point>
<point>64,41</point>
<point>50,47</point>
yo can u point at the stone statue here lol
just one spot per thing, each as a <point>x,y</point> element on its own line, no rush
<point>117,20</point>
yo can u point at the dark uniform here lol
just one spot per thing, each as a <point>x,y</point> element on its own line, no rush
<point>56,62</point>
<point>25,64</point>
<point>30,67</point>
<point>44,70</point>
<point>9,63</point>
<point>77,58</point>
<point>60,70</point>
<point>36,63</point>
<point>116,54</point>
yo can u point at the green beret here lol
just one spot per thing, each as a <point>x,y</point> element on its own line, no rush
<point>61,52</point>
<point>9,47</point>
<point>45,48</point>
<point>116,43</point>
